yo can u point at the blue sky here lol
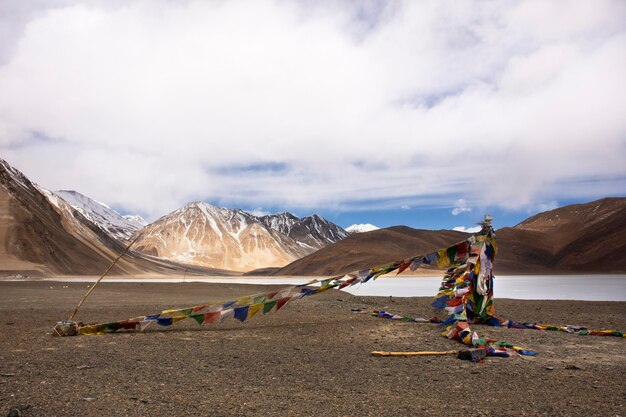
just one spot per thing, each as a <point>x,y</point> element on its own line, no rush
<point>421,217</point>
<point>383,112</point>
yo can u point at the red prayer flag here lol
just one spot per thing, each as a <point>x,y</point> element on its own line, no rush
<point>404,265</point>
<point>212,317</point>
<point>282,302</point>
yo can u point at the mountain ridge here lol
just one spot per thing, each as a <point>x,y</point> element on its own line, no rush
<point>588,237</point>
<point>202,234</point>
<point>42,234</point>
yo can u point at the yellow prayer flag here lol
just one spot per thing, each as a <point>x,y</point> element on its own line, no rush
<point>254,308</point>
<point>178,318</point>
<point>442,258</point>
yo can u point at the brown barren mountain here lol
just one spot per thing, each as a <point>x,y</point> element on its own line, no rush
<point>588,237</point>
<point>579,238</point>
<point>364,250</point>
<point>41,234</point>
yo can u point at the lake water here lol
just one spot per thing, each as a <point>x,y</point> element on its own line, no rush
<point>525,287</point>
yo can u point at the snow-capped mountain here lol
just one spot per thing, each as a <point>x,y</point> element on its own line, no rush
<point>312,232</point>
<point>202,234</point>
<point>103,216</point>
<point>361,228</point>
<point>282,222</point>
<point>322,231</point>
<point>71,233</point>
<point>42,234</point>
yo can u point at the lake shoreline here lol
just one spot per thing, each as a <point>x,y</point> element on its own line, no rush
<point>596,287</point>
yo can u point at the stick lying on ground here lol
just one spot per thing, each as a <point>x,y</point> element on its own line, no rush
<point>472,355</point>
<point>426,353</point>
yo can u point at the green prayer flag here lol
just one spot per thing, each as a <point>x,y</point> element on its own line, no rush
<point>452,253</point>
<point>267,307</point>
<point>197,317</point>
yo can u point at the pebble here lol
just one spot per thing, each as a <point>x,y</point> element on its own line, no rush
<point>89,399</point>
<point>143,400</point>
<point>7,375</point>
<point>550,368</point>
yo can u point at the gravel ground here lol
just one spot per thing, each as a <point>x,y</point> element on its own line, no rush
<point>312,358</point>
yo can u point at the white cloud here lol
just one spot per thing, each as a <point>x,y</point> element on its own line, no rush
<point>473,229</point>
<point>149,105</point>
<point>258,212</point>
<point>541,207</point>
<point>461,207</point>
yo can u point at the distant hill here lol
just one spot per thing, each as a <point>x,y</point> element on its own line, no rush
<point>588,237</point>
<point>578,238</point>
<point>363,250</point>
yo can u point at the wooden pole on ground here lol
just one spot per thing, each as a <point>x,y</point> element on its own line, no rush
<point>383,353</point>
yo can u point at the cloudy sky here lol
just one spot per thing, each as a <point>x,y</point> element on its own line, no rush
<point>421,113</point>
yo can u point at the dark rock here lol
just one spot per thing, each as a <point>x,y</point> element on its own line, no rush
<point>17,411</point>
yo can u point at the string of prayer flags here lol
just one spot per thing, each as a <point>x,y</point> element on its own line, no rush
<point>246,307</point>
<point>465,293</point>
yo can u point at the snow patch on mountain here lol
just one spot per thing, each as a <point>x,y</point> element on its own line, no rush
<point>361,228</point>
<point>17,177</point>
<point>104,217</point>
<point>136,219</point>
<point>474,229</point>
<point>312,231</point>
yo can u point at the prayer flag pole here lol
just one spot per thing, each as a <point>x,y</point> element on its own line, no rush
<point>100,279</point>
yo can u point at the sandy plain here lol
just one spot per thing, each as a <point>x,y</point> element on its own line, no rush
<point>312,358</point>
